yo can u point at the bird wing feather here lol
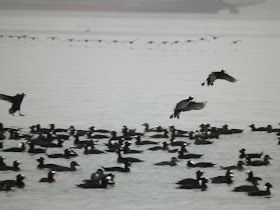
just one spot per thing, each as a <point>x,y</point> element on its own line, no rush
<point>228,78</point>
<point>195,106</point>
<point>6,98</point>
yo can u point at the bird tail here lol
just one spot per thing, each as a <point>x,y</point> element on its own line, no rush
<point>172,116</point>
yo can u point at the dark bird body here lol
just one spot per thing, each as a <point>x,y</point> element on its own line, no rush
<point>253,128</point>
<point>187,105</point>
<point>246,188</point>
<point>16,102</point>
<point>227,179</point>
<point>72,167</point>
<point>200,185</point>
<point>49,178</point>
<point>218,75</point>
<point>191,164</point>
<point>119,169</point>
<point>172,162</point>
<point>263,162</point>
<point>238,166</point>
<point>15,167</point>
<point>262,192</point>
<point>21,148</point>
<point>14,183</point>
<point>191,180</point>
<point>126,159</point>
<point>251,155</point>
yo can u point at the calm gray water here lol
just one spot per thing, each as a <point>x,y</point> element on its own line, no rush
<point>110,85</point>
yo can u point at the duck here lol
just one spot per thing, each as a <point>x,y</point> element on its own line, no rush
<point>155,129</point>
<point>49,178</point>
<point>262,192</point>
<point>14,183</point>
<point>182,149</point>
<point>223,179</point>
<point>252,155</point>
<point>127,150</point>
<point>92,128</point>
<point>218,75</point>
<point>66,154</point>
<point>172,162</point>
<point>16,102</point>
<point>90,135</point>
<point>43,165</point>
<point>15,167</point>
<point>130,132</point>
<point>238,166</point>
<point>34,150</point>
<point>251,177</point>
<point>187,105</point>
<point>225,130</point>
<point>91,150</point>
<point>229,178</point>
<point>202,142</point>
<point>263,162</point>
<point>200,185</point>
<point>174,142</point>
<point>125,169</point>
<point>20,148</point>
<point>191,164</point>
<point>247,188</point>
<point>253,128</point>
<point>72,167</point>
<point>126,159</point>
<point>188,156</point>
<point>139,142</point>
<point>160,136</point>
<point>198,173</point>
<point>164,146</point>
<point>269,129</point>
<point>100,183</point>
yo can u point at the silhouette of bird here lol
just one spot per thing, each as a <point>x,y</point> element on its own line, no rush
<point>189,41</point>
<point>218,75</point>
<point>33,37</point>
<point>214,37</point>
<point>262,192</point>
<point>235,42</point>
<point>176,42</point>
<point>151,42</point>
<point>187,105</point>
<point>131,42</point>
<point>16,102</point>
<point>53,37</point>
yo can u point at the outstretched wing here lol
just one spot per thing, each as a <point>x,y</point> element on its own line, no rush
<point>182,105</point>
<point>228,78</point>
<point>195,106</point>
<point>6,98</point>
<point>211,78</point>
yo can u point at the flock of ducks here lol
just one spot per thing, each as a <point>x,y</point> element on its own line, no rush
<point>40,141</point>
<point>151,43</point>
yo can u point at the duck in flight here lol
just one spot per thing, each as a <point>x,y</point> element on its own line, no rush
<point>187,105</point>
<point>16,102</point>
<point>218,75</point>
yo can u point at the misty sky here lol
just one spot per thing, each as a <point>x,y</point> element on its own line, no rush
<point>261,8</point>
